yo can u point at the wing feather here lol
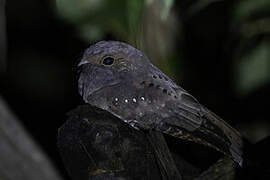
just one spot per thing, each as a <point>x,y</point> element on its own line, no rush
<point>191,121</point>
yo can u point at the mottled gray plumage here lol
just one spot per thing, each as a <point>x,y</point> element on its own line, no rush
<point>141,95</point>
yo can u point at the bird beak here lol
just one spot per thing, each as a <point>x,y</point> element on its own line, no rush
<point>82,62</point>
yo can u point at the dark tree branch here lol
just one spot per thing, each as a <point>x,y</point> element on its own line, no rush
<point>224,169</point>
<point>20,157</point>
<point>165,160</point>
<point>95,144</point>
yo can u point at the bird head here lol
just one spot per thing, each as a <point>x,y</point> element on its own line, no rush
<point>108,63</point>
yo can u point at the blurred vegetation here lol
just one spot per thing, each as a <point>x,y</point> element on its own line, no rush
<point>141,23</point>
<point>148,23</point>
<point>251,23</point>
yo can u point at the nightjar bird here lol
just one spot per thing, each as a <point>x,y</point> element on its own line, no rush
<point>118,78</point>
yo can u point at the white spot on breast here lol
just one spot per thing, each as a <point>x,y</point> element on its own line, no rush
<point>126,100</point>
<point>134,100</point>
<point>142,98</point>
<point>116,99</point>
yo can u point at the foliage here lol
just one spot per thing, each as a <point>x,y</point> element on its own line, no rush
<point>146,22</point>
<point>251,21</point>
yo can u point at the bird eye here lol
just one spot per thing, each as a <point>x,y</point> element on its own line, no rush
<point>108,61</point>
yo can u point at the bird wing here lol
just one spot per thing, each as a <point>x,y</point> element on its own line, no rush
<point>189,120</point>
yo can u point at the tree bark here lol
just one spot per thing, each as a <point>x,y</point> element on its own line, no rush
<point>97,145</point>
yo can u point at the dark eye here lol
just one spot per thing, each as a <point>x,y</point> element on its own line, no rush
<point>108,61</point>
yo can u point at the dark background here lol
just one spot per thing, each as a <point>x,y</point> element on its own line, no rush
<point>218,50</point>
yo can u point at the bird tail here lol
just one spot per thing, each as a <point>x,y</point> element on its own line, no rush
<point>230,140</point>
